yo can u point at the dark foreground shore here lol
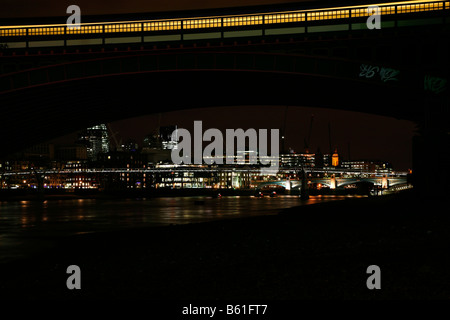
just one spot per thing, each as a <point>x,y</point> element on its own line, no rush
<point>311,252</point>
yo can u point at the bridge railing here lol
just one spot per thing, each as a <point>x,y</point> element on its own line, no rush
<point>227,26</point>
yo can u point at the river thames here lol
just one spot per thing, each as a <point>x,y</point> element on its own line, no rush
<point>27,227</point>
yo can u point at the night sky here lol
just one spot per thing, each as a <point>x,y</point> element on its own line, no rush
<point>48,8</point>
<point>370,137</point>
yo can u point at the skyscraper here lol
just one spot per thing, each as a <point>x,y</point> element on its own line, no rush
<point>96,140</point>
<point>165,134</point>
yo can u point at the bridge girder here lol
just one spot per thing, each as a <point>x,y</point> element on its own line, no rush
<point>57,100</point>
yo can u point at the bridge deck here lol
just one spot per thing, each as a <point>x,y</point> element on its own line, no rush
<point>334,19</point>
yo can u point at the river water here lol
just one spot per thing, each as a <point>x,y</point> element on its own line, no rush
<point>26,227</point>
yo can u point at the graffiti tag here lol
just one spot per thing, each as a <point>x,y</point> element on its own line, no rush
<point>434,84</point>
<point>386,74</point>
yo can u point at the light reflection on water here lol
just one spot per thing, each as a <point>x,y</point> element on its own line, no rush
<point>21,222</point>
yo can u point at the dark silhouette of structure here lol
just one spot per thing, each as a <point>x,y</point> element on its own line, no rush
<point>327,57</point>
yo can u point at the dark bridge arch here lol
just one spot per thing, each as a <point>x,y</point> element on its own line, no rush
<point>47,102</point>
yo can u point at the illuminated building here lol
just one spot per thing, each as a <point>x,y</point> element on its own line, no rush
<point>234,179</point>
<point>185,176</point>
<point>96,141</point>
<point>297,160</point>
<point>79,179</point>
<point>375,166</point>
<point>165,135</point>
<point>335,158</point>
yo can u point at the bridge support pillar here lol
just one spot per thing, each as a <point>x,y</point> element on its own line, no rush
<point>431,149</point>
<point>304,195</point>
<point>384,182</point>
<point>333,182</point>
<point>40,185</point>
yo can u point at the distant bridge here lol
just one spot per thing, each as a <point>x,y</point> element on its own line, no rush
<point>333,183</point>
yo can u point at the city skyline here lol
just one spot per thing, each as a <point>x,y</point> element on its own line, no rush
<point>379,138</point>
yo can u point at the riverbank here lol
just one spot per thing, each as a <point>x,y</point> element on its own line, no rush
<point>310,252</point>
<point>61,194</point>
<point>55,194</point>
